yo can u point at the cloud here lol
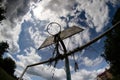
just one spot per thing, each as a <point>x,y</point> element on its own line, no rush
<point>96,12</point>
<point>93,11</point>
<point>86,75</point>
<point>10,28</point>
<point>17,9</point>
<point>47,72</point>
<point>60,6</point>
<point>30,58</point>
<point>10,34</point>
<point>89,62</point>
<point>37,33</point>
<point>114,2</point>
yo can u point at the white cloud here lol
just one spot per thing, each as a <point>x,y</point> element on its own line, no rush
<point>90,62</point>
<point>9,32</point>
<point>86,75</point>
<point>114,2</point>
<point>10,28</point>
<point>17,9</point>
<point>60,6</point>
<point>96,13</point>
<point>37,36</point>
<point>47,72</point>
<point>28,58</point>
<point>47,9</point>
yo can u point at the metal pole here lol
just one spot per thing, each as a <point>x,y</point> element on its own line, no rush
<point>23,73</point>
<point>67,67</point>
<point>68,75</point>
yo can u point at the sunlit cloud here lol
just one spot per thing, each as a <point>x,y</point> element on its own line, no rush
<point>91,62</point>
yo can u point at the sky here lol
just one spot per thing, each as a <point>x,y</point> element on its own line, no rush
<point>25,29</point>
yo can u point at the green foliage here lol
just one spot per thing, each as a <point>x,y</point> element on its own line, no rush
<point>3,48</point>
<point>116,77</point>
<point>2,11</point>
<point>5,76</point>
<point>7,64</point>
<point>112,47</point>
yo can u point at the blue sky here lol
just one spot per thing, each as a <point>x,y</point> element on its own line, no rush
<point>25,30</point>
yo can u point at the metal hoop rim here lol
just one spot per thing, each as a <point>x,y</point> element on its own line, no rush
<point>53,23</point>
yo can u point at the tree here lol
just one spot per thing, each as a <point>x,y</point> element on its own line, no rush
<point>3,48</point>
<point>9,66</point>
<point>2,11</point>
<point>112,46</point>
<point>6,63</point>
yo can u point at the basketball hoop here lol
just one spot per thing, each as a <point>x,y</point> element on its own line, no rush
<point>53,28</point>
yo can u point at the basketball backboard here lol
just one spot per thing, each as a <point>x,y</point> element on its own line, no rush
<point>63,35</point>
